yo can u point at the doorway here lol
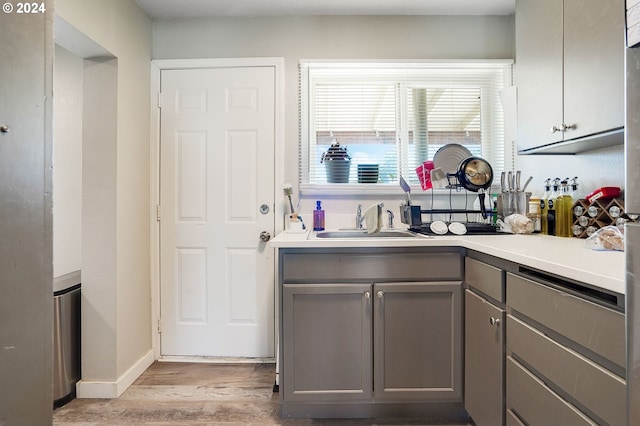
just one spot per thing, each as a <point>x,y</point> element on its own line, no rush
<point>218,133</point>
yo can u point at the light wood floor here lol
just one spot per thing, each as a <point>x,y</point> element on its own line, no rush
<point>196,394</point>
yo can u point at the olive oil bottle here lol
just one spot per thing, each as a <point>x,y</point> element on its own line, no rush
<point>564,214</point>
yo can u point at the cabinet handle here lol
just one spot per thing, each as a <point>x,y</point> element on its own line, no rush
<point>380,293</point>
<point>563,128</point>
<point>367,295</point>
<point>494,321</point>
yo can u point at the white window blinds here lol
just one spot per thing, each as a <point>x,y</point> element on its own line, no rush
<point>391,117</point>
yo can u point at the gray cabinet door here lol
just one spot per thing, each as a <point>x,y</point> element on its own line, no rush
<point>327,342</point>
<point>569,69</point>
<point>484,361</point>
<point>593,66</point>
<point>538,71</point>
<point>417,341</point>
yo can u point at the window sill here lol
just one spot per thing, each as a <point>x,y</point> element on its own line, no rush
<point>362,189</point>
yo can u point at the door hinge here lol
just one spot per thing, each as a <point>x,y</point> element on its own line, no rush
<point>160,100</point>
<point>158,213</point>
<point>159,325</point>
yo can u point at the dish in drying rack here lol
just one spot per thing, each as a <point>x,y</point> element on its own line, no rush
<point>448,157</point>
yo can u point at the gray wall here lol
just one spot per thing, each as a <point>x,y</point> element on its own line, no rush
<point>26,272</point>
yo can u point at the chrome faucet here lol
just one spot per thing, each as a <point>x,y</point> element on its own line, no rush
<point>359,217</point>
<point>390,213</point>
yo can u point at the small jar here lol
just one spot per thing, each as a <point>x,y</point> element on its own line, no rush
<point>583,221</point>
<point>534,214</point>
<point>577,230</point>
<point>614,211</point>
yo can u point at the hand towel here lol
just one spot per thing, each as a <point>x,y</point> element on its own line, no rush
<point>373,218</point>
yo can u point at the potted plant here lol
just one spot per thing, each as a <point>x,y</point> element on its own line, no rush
<point>337,163</point>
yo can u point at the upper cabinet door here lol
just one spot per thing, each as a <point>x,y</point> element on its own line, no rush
<point>538,71</point>
<point>569,73</point>
<point>594,32</point>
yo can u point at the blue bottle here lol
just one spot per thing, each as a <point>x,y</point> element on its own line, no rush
<point>318,218</point>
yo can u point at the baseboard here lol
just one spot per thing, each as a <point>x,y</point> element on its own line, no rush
<point>216,360</point>
<point>95,389</point>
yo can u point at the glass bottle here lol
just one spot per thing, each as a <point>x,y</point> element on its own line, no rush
<point>544,206</point>
<point>551,208</point>
<point>564,213</point>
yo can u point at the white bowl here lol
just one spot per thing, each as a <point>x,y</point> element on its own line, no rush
<point>438,227</point>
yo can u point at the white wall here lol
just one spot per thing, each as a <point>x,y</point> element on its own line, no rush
<point>116,305</point>
<point>67,162</point>
<point>334,37</point>
<point>372,37</point>
<point>602,167</point>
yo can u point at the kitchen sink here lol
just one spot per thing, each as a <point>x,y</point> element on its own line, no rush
<point>365,234</point>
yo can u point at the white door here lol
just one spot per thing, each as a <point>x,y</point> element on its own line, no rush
<point>217,196</point>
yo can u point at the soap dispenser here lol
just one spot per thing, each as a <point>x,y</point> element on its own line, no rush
<point>318,218</point>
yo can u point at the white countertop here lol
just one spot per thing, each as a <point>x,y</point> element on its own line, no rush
<point>567,257</point>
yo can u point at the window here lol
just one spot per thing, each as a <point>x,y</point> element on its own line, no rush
<point>395,116</point>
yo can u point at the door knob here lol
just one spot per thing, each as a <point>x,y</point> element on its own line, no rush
<point>380,294</point>
<point>494,321</point>
<point>265,236</point>
<point>4,128</point>
<point>367,295</point>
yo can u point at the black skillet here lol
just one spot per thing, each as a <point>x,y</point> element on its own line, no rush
<point>475,174</point>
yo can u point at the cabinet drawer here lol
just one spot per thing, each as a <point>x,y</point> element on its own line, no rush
<point>371,266</point>
<point>485,278</point>
<point>597,328</point>
<point>535,403</point>
<point>595,388</point>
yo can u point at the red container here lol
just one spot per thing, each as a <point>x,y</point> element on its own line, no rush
<point>605,193</point>
<point>424,174</point>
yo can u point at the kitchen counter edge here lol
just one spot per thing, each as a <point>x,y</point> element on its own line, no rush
<point>565,257</point>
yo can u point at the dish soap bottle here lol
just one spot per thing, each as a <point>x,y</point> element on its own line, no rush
<point>318,218</point>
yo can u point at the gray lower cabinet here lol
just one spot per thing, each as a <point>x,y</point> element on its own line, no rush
<point>327,350</point>
<point>371,333</point>
<point>484,360</point>
<point>566,357</point>
<point>418,341</point>
<point>484,343</point>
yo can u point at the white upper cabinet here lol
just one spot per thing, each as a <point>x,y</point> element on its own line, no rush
<point>570,74</point>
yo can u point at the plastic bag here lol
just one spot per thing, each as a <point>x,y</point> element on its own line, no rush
<point>607,238</point>
<point>516,224</point>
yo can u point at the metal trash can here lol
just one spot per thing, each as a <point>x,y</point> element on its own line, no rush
<point>66,344</point>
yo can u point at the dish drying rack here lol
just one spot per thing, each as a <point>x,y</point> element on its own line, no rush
<point>412,214</point>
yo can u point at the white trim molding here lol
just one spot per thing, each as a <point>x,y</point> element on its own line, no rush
<point>97,389</point>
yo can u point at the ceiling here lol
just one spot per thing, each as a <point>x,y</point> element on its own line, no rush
<point>166,9</point>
